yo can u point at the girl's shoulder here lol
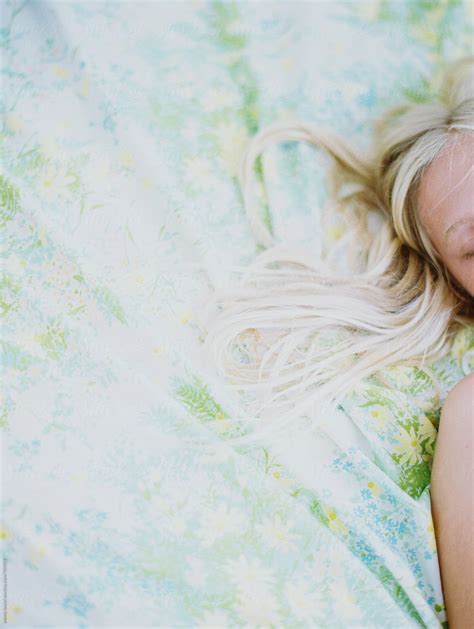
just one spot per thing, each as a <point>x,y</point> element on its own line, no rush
<point>461,396</point>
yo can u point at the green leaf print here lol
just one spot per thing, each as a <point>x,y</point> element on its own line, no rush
<point>109,302</point>
<point>53,340</point>
<point>9,201</point>
<point>391,584</point>
<point>224,16</point>
<point>420,381</point>
<point>415,478</point>
<point>199,401</point>
<point>317,510</point>
<point>8,291</point>
<point>4,419</point>
<point>378,399</point>
<point>421,93</point>
<point>268,465</point>
<point>430,21</point>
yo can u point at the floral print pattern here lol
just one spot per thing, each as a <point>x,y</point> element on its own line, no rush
<point>123,126</point>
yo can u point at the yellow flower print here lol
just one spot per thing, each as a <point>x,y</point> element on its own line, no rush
<point>12,611</point>
<point>13,122</point>
<point>232,138</point>
<point>38,552</point>
<point>335,523</point>
<point>62,72</point>
<point>220,424</point>
<point>369,10</point>
<point>409,447</point>
<point>4,534</point>
<point>85,85</point>
<point>185,317</point>
<point>282,480</point>
<point>126,159</point>
<point>431,537</point>
<point>147,183</point>
<point>54,182</point>
<point>381,415</point>
<point>374,488</point>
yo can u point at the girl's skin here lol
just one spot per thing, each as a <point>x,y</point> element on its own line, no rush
<point>453,505</point>
<point>446,206</point>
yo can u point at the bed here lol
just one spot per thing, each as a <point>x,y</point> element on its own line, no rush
<point>123,127</point>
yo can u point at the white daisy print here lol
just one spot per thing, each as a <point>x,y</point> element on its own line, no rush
<point>54,181</point>
<point>345,606</point>
<point>219,522</point>
<point>277,534</point>
<point>249,575</point>
<point>409,447</point>
<point>259,609</point>
<point>306,604</point>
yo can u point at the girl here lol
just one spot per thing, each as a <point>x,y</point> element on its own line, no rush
<point>408,207</point>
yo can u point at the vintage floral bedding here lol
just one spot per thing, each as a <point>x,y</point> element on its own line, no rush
<point>123,126</point>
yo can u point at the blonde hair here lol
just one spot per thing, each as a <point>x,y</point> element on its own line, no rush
<point>396,302</point>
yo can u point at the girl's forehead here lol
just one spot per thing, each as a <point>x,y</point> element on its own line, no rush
<point>450,176</point>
